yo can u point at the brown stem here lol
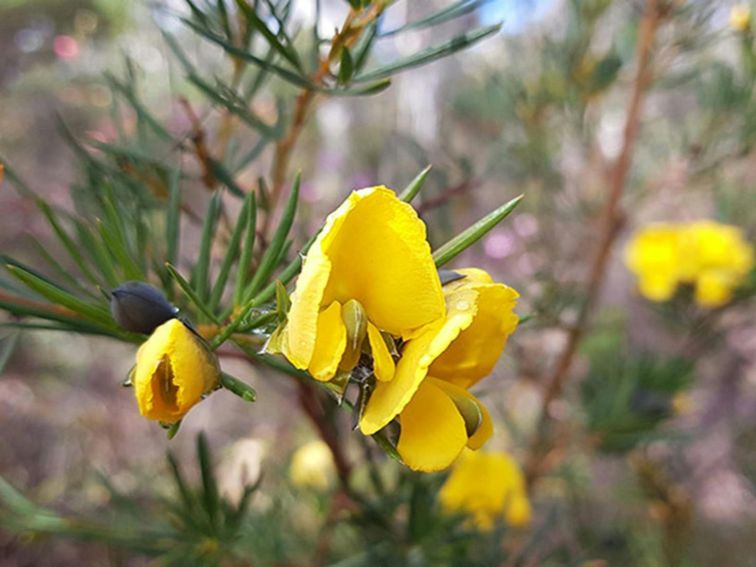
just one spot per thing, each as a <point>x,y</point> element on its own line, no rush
<point>446,195</point>
<point>354,23</point>
<point>610,222</point>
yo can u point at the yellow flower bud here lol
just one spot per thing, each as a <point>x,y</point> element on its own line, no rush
<point>174,369</point>
<point>740,17</point>
<point>486,486</point>
<point>312,466</point>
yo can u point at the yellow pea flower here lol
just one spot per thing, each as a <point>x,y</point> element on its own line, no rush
<point>312,466</point>
<point>174,369</point>
<point>369,271</point>
<point>722,260</point>
<point>654,256</point>
<point>486,486</point>
<point>438,416</point>
<point>740,17</point>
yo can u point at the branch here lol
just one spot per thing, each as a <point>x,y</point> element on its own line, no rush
<point>610,223</point>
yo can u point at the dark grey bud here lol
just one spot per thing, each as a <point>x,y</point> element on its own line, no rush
<point>140,308</point>
<point>449,276</point>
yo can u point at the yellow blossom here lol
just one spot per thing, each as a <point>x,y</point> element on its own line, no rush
<point>721,257</point>
<point>438,416</point>
<point>712,257</point>
<point>740,17</point>
<point>174,369</point>
<point>486,486</point>
<point>312,466</point>
<point>653,255</point>
<point>369,271</point>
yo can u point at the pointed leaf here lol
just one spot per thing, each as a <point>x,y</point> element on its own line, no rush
<point>415,185</point>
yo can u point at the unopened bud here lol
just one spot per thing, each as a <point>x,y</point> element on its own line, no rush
<point>355,320</point>
<point>140,308</point>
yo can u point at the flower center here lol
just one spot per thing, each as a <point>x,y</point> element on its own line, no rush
<point>163,386</point>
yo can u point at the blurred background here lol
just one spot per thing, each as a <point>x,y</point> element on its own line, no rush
<point>654,459</point>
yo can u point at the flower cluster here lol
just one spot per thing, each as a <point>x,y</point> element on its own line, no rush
<point>714,258</point>
<point>370,295</point>
<point>485,487</point>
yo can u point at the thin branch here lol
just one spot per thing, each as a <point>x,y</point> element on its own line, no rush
<point>610,223</point>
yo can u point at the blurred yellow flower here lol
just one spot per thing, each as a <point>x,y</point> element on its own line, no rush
<point>713,257</point>
<point>740,17</point>
<point>312,466</point>
<point>721,258</point>
<point>486,486</point>
<point>369,271</point>
<point>174,369</point>
<point>653,255</point>
<point>438,416</point>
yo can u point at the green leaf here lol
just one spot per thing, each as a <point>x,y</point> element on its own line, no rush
<point>232,252</point>
<point>286,50</point>
<point>189,291</point>
<point>456,10</point>
<point>248,246</point>
<point>414,186</point>
<point>173,217</point>
<point>7,346</point>
<point>99,254</point>
<point>210,497</point>
<point>222,175</point>
<point>366,90</point>
<point>283,302</point>
<point>472,234</point>
<point>346,67</point>
<point>272,255</point>
<point>431,54</point>
<point>241,389</point>
<point>71,247</point>
<point>60,296</point>
<point>364,45</point>
<point>143,115</point>
<point>208,231</point>
<point>294,78</point>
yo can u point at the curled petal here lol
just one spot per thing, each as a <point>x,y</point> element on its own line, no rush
<point>383,364</point>
<point>389,398</point>
<point>484,429</point>
<point>475,351</point>
<point>433,431</point>
<point>330,343</point>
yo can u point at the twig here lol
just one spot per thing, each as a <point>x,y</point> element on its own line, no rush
<point>446,195</point>
<point>610,222</point>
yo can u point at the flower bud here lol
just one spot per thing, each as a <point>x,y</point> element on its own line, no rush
<point>356,323</point>
<point>174,371</point>
<point>140,308</point>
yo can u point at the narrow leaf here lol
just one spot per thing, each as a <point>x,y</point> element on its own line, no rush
<point>241,389</point>
<point>248,246</point>
<point>173,218</point>
<point>232,252</point>
<point>186,287</point>
<point>286,51</point>
<point>431,54</point>
<point>414,186</point>
<point>472,234</point>
<point>208,231</point>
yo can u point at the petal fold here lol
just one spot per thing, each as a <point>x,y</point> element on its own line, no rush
<point>383,363</point>
<point>330,343</point>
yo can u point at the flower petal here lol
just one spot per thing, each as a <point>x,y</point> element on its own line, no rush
<point>380,257</point>
<point>300,332</point>
<point>433,432</point>
<point>329,345</point>
<point>474,353</point>
<point>484,429</point>
<point>173,371</point>
<point>389,398</point>
<point>383,363</point>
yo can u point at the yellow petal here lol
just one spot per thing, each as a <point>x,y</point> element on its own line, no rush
<point>173,370</point>
<point>383,362</point>
<point>380,257</point>
<point>485,428</point>
<point>330,343</point>
<point>389,398</point>
<point>301,330</point>
<point>475,351</point>
<point>433,432</point>
<point>657,286</point>
<point>713,289</point>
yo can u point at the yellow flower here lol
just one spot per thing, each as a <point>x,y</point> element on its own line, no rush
<point>487,486</point>
<point>722,259</point>
<point>740,17</point>
<point>312,466</point>
<point>653,255</point>
<point>173,371</point>
<point>369,271</point>
<point>438,416</point>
